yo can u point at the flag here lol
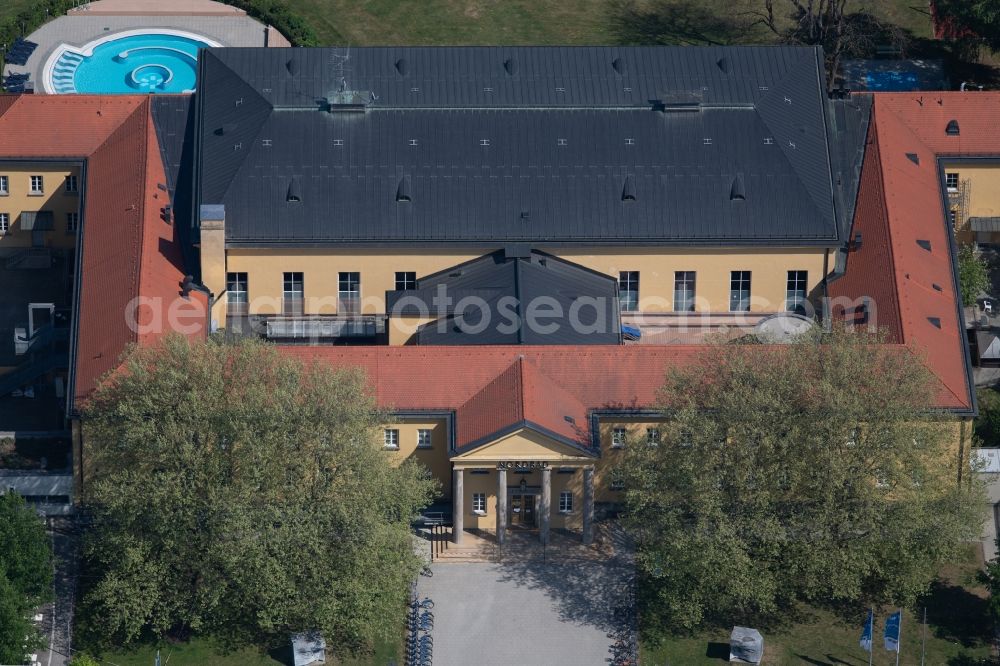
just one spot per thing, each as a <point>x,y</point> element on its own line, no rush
<point>866,633</point>
<point>892,631</point>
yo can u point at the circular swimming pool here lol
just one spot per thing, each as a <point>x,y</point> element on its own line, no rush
<point>137,61</point>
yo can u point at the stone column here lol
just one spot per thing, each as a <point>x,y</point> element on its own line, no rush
<point>501,505</point>
<point>588,505</point>
<point>546,505</point>
<point>457,505</point>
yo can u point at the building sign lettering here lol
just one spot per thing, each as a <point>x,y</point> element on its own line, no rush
<point>528,464</point>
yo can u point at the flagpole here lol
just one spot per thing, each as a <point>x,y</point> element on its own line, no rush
<point>899,638</point>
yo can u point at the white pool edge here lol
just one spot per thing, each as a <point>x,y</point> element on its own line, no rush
<point>87,50</point>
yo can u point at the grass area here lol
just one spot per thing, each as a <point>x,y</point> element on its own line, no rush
<point>958,632</point>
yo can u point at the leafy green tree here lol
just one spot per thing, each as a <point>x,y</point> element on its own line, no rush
<point>973,274</point>
<point>239,493</point>
<point>987,424</point>
<point>981,17</point>
<point>25,576</point>
<point>808,472</point>
<point>991,578</point>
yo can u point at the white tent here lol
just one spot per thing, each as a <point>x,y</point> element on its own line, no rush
<point>308,648</point>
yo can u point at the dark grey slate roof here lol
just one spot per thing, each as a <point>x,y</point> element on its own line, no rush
<point>848,122</point>
<point>506,288</point>
<point>531,144</point>
<point>173,118</point>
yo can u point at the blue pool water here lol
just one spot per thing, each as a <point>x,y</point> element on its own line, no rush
<point>146,63</point>
<point>891,81</point>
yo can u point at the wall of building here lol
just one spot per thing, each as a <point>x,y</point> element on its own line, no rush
<point>435,459</point>
<point>977,195</point>
<point>54,198</point>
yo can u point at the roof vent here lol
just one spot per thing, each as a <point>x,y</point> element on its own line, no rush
<point>926,244</point>
<point>510,66</point>
<point>738,191</point>
<point>292,66</point>
<point>619,66</point>
<point>913,157</point>
<point>401,67</point>
<point>628,188</point>
<point>723,64</point>
<point>952,128</point>
<point>935,321</point>
<point>226,128</point>
<point>403,190</point>
<point>525,216</point>
<point>294,193</point>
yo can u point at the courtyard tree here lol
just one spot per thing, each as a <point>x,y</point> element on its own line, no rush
<point>242,494</point>
<point>25,577</point>
<point>981,18</point>
<point>973,274</point>
<point>808,472</point>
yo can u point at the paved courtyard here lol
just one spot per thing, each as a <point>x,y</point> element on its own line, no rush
<point>529,613</point>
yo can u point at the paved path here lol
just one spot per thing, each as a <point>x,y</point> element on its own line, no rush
<point>525,613</point>
<point>57,617</point>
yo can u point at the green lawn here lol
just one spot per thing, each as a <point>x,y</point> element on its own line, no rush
<point>958,633</point>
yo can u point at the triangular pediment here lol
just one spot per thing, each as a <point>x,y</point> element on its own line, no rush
<point>526,443</point>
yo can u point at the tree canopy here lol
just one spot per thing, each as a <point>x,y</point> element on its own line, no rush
<point>811,472</point>
<point>973,274</point>
<point>980,17</point>
<point>239,493</point>
<point>25,576</point>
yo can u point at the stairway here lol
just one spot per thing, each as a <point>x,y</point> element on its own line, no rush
<point>64,72</point>
<point>28,372</point>
<point>474,548</point>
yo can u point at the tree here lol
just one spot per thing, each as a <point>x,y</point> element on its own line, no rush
<point>809,472</point>
<point>990,577</point>
<point>973,274</point>
<point>979,17</point>
<point>25,576</point>
<point>239,493</point>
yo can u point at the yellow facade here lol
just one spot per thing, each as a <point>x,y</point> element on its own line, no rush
<point>54,197</point>
<point>976,194</point>
<point>434,458</point>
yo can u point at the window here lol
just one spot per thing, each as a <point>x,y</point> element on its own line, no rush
<point>618,436</point>
<point>739,291</point>
<point>628,290</point>
<point>424,438</point>
<point>951,182</point>
<point>565,501</point>
<point>4,223</point>
<point>4,185</point>
<point>653,436</point>
<point>37,185</point>
<point>71,184</point>
<point>617,482</point>
<point>684,291</point>
<point>479,503</point>
<point>406,280</point>
<point>349,293</point>
<point>293,294</point>
<point>953,217</point>
<point>390,439</point>
<point>795,292</point>
<point>72,222</point>
<point>236,293</point>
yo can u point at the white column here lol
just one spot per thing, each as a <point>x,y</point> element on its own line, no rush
<point>588,505</point>
<point>501,505</point>
<point>457,505</point>
<point>546,505</point>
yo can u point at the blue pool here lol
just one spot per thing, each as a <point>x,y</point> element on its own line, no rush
<point>150,62</point>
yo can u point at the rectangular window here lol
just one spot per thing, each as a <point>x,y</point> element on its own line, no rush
<point>72,222</point>
<point>236,293</point>
<point>628,290</point>
<point>683,291</point>
<point>618,436</point>
<point>293,294</point>
<point>617,482</point>
<point>479,503</point>
<point>4,223</point>
<point>951,181</point>
<point>565,501</point>
<point>795,291</point>
<point>739,291</point>
<point>653,436</point>
<point>4,185</point>
<point>424,439</point>
<point>406,280</point>
<point>349,293</point>
<point>390,439</point>
<point>37,185</point>
<point>71,184</point>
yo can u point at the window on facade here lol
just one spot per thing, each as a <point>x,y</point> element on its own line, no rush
<point>684,291</point>
<point>653,436</point>
<point>479,502</point>
<point>739,291</point>
<point>71,184</point>
<point>4,185</point>
<point>4,223</point>
<point>795,292</point>
<point>349,293</point>
<point>293,294</point>
<point>617,482</point>
<point>424,438</point>
<point>951,181</point>
<point>406,280</point>
<point>390,438</point>
<point>628,290</point>
<point>236,293</point>
<point>72,222</point>
<point>618,436</point>
<point>565,501</point>
<point>37,185</point>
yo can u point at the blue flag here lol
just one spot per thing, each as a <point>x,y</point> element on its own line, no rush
<point>892,631</point>
<point>866,633</point>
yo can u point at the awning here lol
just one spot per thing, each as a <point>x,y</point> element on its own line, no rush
<point>984,223</point>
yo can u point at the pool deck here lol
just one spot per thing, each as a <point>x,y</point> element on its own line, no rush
<point>78,29</point>
<point>156,8</point>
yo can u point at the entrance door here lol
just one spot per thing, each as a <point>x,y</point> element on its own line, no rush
<point>522,510</point>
